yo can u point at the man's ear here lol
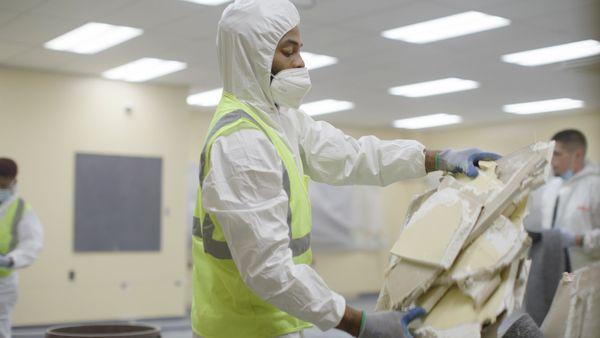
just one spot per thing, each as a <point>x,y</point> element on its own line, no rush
<point>579,154</point>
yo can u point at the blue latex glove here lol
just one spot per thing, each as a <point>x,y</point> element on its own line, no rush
<point>463,161</point>
<point>5,262</point>
<point>411,315</point>
<point>389,324</point>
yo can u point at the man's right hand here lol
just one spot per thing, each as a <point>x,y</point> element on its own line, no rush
<point>388,324</point>
<point>384,324</point>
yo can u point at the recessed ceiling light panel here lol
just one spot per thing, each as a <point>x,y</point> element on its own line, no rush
<point>427,121</point>
<point>436,87</point>
<point>144,69</point>
<point>92,38</point>
<point>446,27</point>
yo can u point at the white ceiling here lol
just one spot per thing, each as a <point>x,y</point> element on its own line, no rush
<point>347,29</point>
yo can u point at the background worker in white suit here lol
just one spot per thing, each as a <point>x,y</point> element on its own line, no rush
<point>570,201</point>
<point>21,239</point>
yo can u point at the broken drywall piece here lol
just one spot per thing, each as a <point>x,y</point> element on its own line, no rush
<point>502,299</point>
<point>454,309</point>
<point>575,308</point>
<point>497,247</point>
<point>406,280</point>
<point>520,172</point>
<point>514,187</point>
<point>510,165</point>
<point>383,300</point>
<point>467,277</point>
<point>521,284</point>
<point>480,290</point>
<point>445,219</point>
<point>415,204</point>
<point>462,331</point>
<point>430,298</point>
<point>486,185</point>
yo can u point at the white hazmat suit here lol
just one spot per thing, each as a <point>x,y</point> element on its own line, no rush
<point>30,241</point>
<point>578,211</point>
<point>243,188</point>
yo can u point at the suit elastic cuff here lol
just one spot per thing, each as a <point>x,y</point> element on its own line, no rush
<point>339,308</point>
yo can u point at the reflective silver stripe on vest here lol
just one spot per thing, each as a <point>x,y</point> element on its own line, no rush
<point>15,225</point>
<point>300,245</point>
<point>196,230</point>
<point>217,249</point>
<point>205,230</point>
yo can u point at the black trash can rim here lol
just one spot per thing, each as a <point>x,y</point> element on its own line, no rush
<point>137,329</point>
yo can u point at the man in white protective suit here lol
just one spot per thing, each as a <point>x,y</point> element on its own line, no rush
<point>570,201</point>
<point>251,243</point>
<point>21,237</point>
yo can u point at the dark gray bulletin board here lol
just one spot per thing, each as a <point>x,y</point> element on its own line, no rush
<point>117,203</point>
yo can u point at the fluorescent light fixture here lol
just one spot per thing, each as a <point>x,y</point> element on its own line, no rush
<point>209,98</point>
<point>427,121</point>
<point>435,87</point>
<point>209,2</point>
<point>144,69</point>
<point>326,107</point>
<point>314,61</point>
<point>542,106</point>
<point>544,56</point>
<point>92,38</point>
<point>446,27</point>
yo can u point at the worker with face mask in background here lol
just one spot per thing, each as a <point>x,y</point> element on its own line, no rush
<point>570,202</point>
<point>251,245</point>
<point>21,237</point>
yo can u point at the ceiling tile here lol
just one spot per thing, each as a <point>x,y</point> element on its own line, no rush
<point>41,58</point>
<point>517,9</point>
<point>19,5</point>
<point>580,23</point>
<point>152,13</point>
<point>202,77</point>
<point>337,11</point>
<point>199,24</point>
<point>87,10</point>
<point>9,49</point>
<point>409,13</point>
<point>468,5</point>
<point>7,15</point>
<point>36,29</point>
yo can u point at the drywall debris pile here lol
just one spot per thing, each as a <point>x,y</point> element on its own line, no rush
<point>462,252</point>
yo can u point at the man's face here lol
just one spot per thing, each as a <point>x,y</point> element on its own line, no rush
<point>6,182</point>
<point>287,53</point>
<point>563,158</point>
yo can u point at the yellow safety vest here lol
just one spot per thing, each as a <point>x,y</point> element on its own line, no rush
<point>9,227</point>
<point>223,305</point>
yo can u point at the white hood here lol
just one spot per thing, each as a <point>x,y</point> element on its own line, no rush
<point>248,34</point>
<point>590,169</point>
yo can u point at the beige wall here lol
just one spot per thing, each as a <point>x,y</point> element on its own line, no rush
<point>47,118</point>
